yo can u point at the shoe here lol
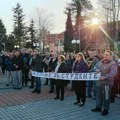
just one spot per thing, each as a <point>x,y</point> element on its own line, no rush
<point>19,88</point>
<point>57,98</point>
<point>105,112</point>
<point>46,84</point>
<point>61,99</point>
<point>96,109</point>
<point>7,84</point>
<point>112,101</point>
<point>51,91</point>
<point>38,92</point>
<point>88,96</point>
<point>76,103</point>
<point>34,91</point>
<point>31,87</point>
<point>82,104</point>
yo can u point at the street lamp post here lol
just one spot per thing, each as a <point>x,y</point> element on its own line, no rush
<point>16,46</point>
<point>36,44</point>
<point>76,42</point>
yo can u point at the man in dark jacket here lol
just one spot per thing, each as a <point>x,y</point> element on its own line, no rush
<point>52,66</point>
<point>18,65</point>
<point>38,67</point>
<point>9,68</point>
<point>25,70</point>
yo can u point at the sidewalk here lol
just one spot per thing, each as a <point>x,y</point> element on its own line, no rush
<point>24,105</point>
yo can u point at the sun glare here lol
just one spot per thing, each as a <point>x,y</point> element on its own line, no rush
<point>95,21</point>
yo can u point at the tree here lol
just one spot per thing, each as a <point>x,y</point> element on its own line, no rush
<point>10,42</point>
<point>32,34</point>
<point>43,24</point>
<point>3,36</point>
<point>77,6</point>
<point>19,29</point>
<point>110,11</point>
<point>69,33</point>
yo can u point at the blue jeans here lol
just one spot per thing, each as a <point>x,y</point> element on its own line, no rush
<point>90,85</point>
<point>103,97</point>
<point>38,83</point>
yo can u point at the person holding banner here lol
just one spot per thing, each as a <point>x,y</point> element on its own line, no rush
<point>108,69</point>
<point>60,68</point>
<point>80,66</point>
<point>52,65</point>
<point>38,67</point>
<point>91,85</point>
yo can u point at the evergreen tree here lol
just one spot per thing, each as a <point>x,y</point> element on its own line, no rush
<point>32,36</point>
<point>19,29</point>
<point>3,36</point>
<point>10,42</point>
<point>69,34</point>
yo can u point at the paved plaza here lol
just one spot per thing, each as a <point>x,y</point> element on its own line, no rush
<point>24,105</point>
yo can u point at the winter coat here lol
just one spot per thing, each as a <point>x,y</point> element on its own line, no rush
<point>62,69</point>
<point>38,66</point>
<point>18,61</point>
<point>80,67</point>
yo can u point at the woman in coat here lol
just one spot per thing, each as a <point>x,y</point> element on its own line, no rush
<point>60,68</point>
<point>80,66</point>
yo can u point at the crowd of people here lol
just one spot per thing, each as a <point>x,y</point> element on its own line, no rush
<point>17,65</point>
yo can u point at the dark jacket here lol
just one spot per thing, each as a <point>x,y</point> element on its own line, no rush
<point>38,66</point>
<point>26,60</point>
<point>62,69</point>
<point>80,67</point>
<point>53,64</point>
<point>9,64</point>
<point>18,61</point>
<point>69,64</point>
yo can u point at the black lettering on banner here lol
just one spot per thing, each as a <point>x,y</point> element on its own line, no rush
<point>76,76</point>
<point>42,74</point>
<point>63,75</point>
<point>39,74</point>
<point>35,74</point>
<point>71,75</point>
<point>57,76</point>
<point>90,75</point>
<point>84,76</point>
<point>67,74</point>
<point>80,76</point>
<point>95,76</point>
<point>46,75</point>
<point>49,76</point>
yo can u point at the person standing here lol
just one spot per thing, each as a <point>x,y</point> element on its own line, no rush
<point>108,69</point>
<point>46,66</point>
<point>60,68</point>
<point>18,66</point>
<point>9,69</point>
<point>52,66</point>
<point>38,67</point>
<point>26,68</point>
<point>80,66</point>
<point>91,85</point>
<point>32,65</point>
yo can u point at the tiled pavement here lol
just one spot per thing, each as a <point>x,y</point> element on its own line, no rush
<point>23,105</point>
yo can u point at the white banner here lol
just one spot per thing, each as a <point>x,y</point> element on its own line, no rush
<point>68,76</point>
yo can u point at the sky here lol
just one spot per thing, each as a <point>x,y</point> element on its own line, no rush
<point>53,7</point>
